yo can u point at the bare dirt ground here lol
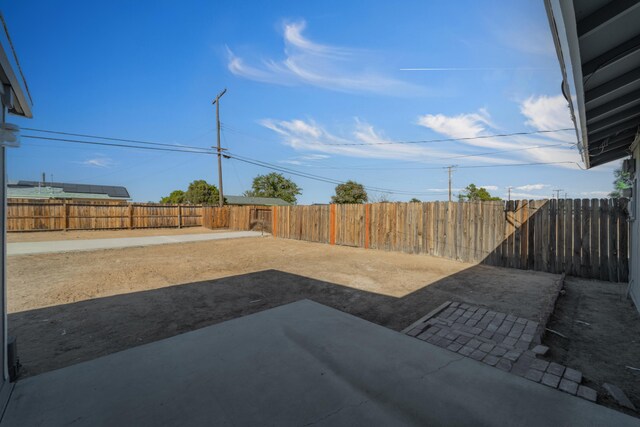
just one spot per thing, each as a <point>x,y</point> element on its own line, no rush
<point>70,307</point>
<point>47,236</point>
<point>602,330</point>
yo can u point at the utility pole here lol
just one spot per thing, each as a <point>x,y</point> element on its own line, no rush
<point>217,104</point>
<point>558,193</point>
<point>450,171</point>
<point>509,196</point>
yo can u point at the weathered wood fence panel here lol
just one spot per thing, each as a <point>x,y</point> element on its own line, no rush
<point>49,215</point>
<point>585,238</point>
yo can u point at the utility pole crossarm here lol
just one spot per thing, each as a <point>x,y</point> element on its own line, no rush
<point>216,102</point>
<point>219,96</point>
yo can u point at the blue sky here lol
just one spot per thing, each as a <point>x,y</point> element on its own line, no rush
<point>306,82</point>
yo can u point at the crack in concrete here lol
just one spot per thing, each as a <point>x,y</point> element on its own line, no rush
<point>331,414</point>
<point>438,369</point>
<point>426,374</point>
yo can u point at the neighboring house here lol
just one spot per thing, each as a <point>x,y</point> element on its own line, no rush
<point>254,201</point>
<point>598,47</point>
<point>63,190</point>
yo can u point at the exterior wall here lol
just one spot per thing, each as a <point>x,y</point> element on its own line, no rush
<point>634,261</point>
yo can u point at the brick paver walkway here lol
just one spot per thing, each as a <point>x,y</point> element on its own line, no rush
<point>501,340</point>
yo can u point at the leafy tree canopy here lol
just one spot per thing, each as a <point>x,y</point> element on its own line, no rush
<point>350,192</point>
<point>274,185</point>
<point>176,196</point>
<point>474,194</point>
<point>414,200</point>
<point>621,182</point>
<point>199,192</point>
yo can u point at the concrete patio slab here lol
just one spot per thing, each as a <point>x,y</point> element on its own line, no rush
<point>298,364</point>
<point>25,248</point>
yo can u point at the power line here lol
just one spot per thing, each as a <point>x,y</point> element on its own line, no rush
<point>76,141</point>
<point>107,138</point>
<point>318,177</point>
<point>442,167</point>
<point>426,141</point>
<point>179,146</point>
<point>199,150</point>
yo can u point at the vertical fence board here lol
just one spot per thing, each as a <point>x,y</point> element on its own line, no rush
<point>577,238</point>
<point>551,262</point>
<point>613,242</point>
<point>594,226</point>
<point>604,239</point>
<point>585,262</point>
<point>560,236</point>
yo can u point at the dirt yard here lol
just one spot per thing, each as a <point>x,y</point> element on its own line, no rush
<point>47,236</point>
<point>70,307</point>
<point>601,336</point>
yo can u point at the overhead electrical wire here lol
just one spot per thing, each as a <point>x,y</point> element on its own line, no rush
<point>428,141</point>
<point>107,138</point>
<point>179,149</point>
<point>200,150</point>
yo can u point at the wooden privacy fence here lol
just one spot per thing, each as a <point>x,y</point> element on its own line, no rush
<point>586,238</point>
<point>49,215</point>
<point>257,218</point>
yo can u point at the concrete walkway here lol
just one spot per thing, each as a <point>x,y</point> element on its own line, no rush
<point>295,365</point>
<point>26,248</point>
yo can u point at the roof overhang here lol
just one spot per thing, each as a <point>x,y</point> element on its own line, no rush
<point>18,99</point>
<point>598,47</point>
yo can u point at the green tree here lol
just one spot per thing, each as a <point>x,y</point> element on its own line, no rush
<point>474,194</point>
<point>622,182</point>
<point>201,192</point>
<point>176,196</point>
<point>350,192</point>
<point>414,200</point>
<point>274,185</point>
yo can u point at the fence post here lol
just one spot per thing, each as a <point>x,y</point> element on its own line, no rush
<point>274,221</point>
<point>332,224</point>
<point>65,216</point>
<point>367,225</point>
<point>179,215</point>
<point>130,216</point>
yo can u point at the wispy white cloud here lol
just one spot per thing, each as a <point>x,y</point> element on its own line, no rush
<point>329,67</point>
<point>541,113</point>
<point>515,195</point>
<point>489,187</point>
<point>98,162</point>
<point>531,187</point>
<point>467,125</point>
<point>595,193</point>
<point>546,112</point>
<point>308,136</point>
<point>365,141</point>
<point>304,160</point>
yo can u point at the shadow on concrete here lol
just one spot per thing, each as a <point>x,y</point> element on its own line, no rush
<point>63,335</point>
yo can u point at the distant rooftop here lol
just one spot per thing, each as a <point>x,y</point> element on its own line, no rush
<point>258,201</point>
<point>63,190</point>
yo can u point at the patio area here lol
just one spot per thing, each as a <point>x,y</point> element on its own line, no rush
<point>299,364</point>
